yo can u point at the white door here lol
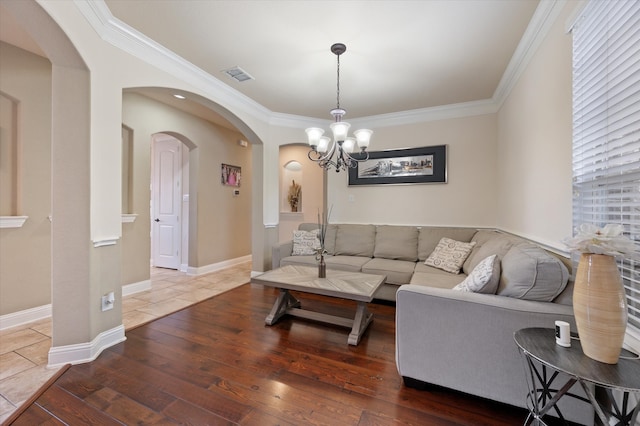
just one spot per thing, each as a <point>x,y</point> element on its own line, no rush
<point>166,195</point>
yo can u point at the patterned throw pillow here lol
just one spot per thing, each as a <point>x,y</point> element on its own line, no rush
<point>449,255</point>
<point>484,278</point>
<point>305,243</point>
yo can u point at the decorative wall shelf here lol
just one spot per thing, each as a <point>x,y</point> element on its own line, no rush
<point>129,218</point>
<point>292,215</point>
<point>12,221</point>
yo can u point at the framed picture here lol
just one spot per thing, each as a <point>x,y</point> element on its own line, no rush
<point>231,175</point>
<point>401,166</point>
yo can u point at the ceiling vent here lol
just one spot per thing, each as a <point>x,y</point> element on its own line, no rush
<point>238,73</point>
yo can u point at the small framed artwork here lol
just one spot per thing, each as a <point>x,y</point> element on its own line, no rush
<point>401,166</point>
<point>231,175</point>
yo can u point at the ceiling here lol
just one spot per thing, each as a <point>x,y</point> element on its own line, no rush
<point>401,55</point>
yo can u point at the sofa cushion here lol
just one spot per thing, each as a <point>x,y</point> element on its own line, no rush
<point>305,243</point>
<point>484,278</point>
<point>429,237</point>
<point>439,279</point>
<point>299,260</point>
<point>487,244</point>
<point>397,271</point>
<point>530,273</point>
<point>449,255</point>
<point>355,240</point>
<point>346,263</point>
<point>396,242</point>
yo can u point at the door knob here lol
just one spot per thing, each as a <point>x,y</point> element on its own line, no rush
<point>157,220</point>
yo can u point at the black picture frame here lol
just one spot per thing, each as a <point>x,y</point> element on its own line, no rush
<point>426,164</point>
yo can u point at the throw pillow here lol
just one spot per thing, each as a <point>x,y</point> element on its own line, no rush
<point>484,278</point>
<point>449,255</point>
<point>305,243</point>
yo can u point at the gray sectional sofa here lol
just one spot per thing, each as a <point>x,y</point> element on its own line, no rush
<point>455,339</point>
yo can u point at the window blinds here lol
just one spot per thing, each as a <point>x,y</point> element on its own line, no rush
<point>606,127</point>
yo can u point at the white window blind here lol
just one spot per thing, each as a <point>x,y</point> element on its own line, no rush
<point>606,127</point>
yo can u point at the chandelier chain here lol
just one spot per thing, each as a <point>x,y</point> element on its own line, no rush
<point>338,84</point>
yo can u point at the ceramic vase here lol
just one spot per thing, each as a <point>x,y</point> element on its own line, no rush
<point>600,307</point>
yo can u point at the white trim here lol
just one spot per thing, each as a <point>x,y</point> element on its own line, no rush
<point>543,18</point>
<point>106,241</point>
<point>214,267</point>
<point>119,34</point>
<point>443,112</point>
<point>183,267</point>
<point>126,38</point>
<point>129,218</point>
<point>25,316</point>
<point>256,273</point>
<point>12,221</point>
<point>632,340</point>
<point>85,352</point>
<point>133,288</point>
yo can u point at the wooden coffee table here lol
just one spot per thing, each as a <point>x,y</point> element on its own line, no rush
<point>341,284</point>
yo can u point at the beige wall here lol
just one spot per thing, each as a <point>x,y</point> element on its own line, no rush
<point>25,253</point>
<point>534,144</point>
<point>213,239</point>
<point>310,178</point>
<point>468,199</point>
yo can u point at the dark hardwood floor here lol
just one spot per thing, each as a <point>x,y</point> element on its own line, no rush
<point>217,363</point>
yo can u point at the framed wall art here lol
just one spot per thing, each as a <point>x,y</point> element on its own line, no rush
<point>401,166</point>
<point>231,175</point>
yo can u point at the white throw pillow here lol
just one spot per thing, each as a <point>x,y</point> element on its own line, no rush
<point>449,255</point>
<point>305,243</point>
<point>484,278</point>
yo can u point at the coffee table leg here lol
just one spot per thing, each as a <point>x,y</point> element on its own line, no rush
<point>284,301</point>
<point>360,323</point>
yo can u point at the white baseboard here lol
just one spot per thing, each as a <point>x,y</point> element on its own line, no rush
<point>26,316</point>
<point>85,352</point>
<point>133,288</point>
<point>217,266</point>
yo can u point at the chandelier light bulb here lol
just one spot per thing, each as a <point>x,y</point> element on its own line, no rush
<point>314,133</point>
<point>348,145</point>
<point>363,136</point>
<point>323,144</point>
<point>340,130</point>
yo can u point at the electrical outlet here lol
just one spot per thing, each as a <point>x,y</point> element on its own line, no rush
<point>107,301</point>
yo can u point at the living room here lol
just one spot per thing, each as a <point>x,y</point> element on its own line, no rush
<point>509,167</point>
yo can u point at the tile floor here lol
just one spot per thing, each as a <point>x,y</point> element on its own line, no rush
<point>24,349</point>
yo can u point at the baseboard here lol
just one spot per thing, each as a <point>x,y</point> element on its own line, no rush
<point>85,352</point>
<point>214,267</point>
<point>26,316</point>
<point>133,288</point>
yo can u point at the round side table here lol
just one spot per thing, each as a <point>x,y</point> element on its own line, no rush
<point>541,354</point>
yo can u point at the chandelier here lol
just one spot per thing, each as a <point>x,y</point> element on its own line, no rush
<point>337,152</point>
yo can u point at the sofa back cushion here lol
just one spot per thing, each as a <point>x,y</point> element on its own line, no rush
<point>396,242</point>
<point>355,240</point>
<point>530,273</point>
<point>429,237</point>
<point>488,243</point>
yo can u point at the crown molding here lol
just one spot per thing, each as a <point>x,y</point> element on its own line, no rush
<point>126,38</point>
<point>543,18</point>
<point>120,35</point>
<point>443,112</point>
